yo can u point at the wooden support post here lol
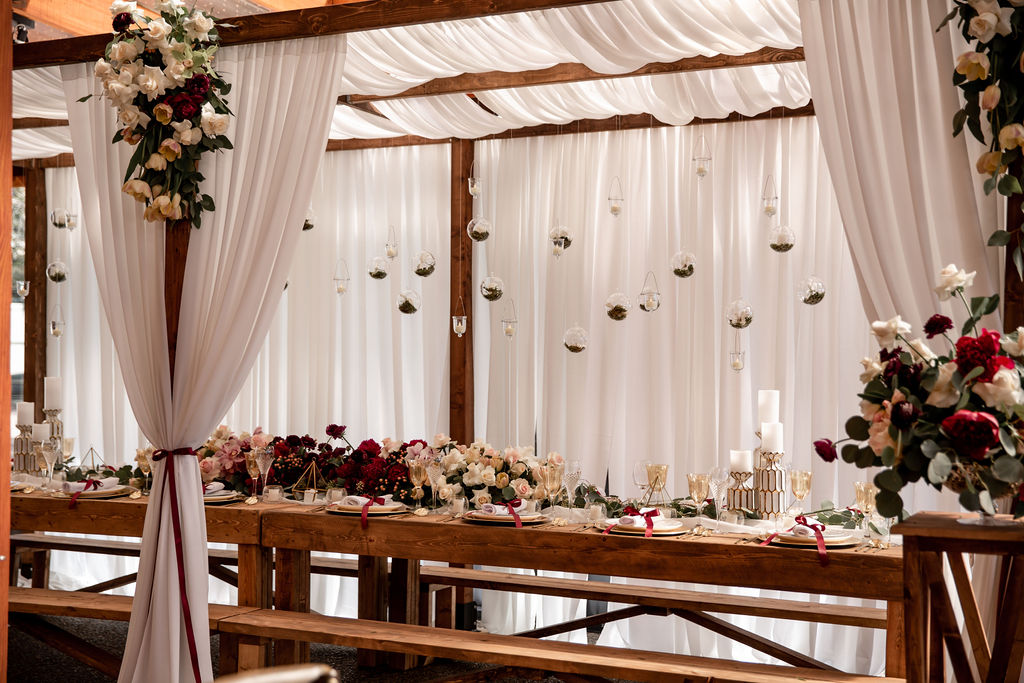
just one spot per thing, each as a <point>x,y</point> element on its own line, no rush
<point>6,60</point>
<point>35,272</point>
<point>255,573</point>
<point>175,254</point>
<point>460,386</point>
<point>373,600</point>
<point>291,592</point>
<point>404,604</point>
<point>895,652</point>
<point>1013,291</point>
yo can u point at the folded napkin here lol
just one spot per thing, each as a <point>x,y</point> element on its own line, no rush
<point>640,520</point>
<point>360,501</point>
<point>802,531</point>
<point>501,508</point>
<point>105,484</point>
<point>28,480</point>
<point>213,487</point>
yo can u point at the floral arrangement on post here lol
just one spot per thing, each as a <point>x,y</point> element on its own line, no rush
<point>954,420</point>
<point>159,75</point>
<point>992,78</point>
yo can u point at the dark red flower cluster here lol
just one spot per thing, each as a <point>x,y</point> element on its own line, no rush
<point>198,85</point>
<point>905,375</point>
<point>826,450</point>
<point>981,351</point>
<point>185,105</point>
<point>972,433</point>
<point>336,431</point>
<point>369,471</point>
<point>122,22</point>
<point>936,325</point>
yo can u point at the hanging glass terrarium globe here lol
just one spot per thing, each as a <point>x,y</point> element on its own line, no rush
<point>649,298</point>
<point>701,157</point>
<point>473,182</point>
<point>615,199</point>
<point>23,287</point>
<point>63,218</point>
<point>510,321</point>
<point>739,314</point>
<point>683,263</point>
<point>408,302</point>
<point>617,306</point>
<point>811,290</point>
<point>310,220</point>
<point>341,276</point>
<point>575,339</point>
<point>391,246</point>
<point>781,238</point>
<point>423,263</point>
<point>479,229</point>
<point>459,319</point>
<point>492,287</point>
<point>377,268</point>
<point>769,197</point>
<point>57,271</point>
<point>560,238</point>
<point>56,326</point>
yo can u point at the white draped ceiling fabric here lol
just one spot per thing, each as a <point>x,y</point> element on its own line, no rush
<point>236,267</point>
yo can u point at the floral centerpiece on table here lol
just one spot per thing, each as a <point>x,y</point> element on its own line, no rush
<point>158,73</point>
<point>222,456</point>
<point>953,419</point>
<point>488,475</point>
<point>376,469</point>
<point>991,76</point>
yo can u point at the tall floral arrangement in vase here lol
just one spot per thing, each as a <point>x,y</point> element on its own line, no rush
<point>953,418</point>
<point>158,73</point>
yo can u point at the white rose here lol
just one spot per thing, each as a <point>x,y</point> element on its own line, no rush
<point>922,349</point>
<point>157,162</point>
<point>473,476</point>
<point>952,279</point>
<point>157,32</point>
<point>517,469</point>
<point>185,134</point>
<point>1014,347</point>
<point>481,498</point>
<point>213,124</point>
<point>488,476</point>
<point>944,394</point>
<point>450,463</point>
<point>121,94</point>
<point>152,82</point>
<point>175,72</point>
<point>168,6</point>
<point>555,458</point>
<point>1003,391</point>
<point>872,369</point>
<point>120,7</point>
<point>983,26</point>
<point>888,330</point>
<point>522,488</point>
<point>198,26</point>
<point>130,71</point>
<point>124,50</point>
<point>103,69</point>
<point>132,117</point>
<point>444,492</point>
<point>440,440</point>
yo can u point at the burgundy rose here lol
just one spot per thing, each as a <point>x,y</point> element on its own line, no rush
<point>903,414</point>
<point>370,446</point>
<point>308,441</point>
<point>184,105</point>
<point>122,21</point>
<point>293,441</point>
<point>198,85</point>
<point>936,325</point>
<point>374,470</point>
<point>826,450</point>
<point>397,472</point>
<point>908,376</point>
<point>981,351</point>
<point>972,433</point>
<point>336,431</point>
<point>348,471</point>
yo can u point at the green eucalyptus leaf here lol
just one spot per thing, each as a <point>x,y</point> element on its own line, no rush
<point>888,456</point>
<point>990,184</point>
<point>865,458</point>
<point>1018,261</point>
<point>1008,468</point>
<point>985,500</point>
<point>889,504</point>
<point>857,428</point>
<point>849,452</point>
<point>974,373</point>
<point>929,448</point>
<point>889,480</point>
<point>959,119</point>
<point>939,468</point>
<point>1008,185</point>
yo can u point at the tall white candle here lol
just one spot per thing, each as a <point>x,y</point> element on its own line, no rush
<point>52,393</point>
<point>771,437</point>
<point>741,461</point>
<point>767,405</point>
<point>26,412</point>
<point>40,432</point>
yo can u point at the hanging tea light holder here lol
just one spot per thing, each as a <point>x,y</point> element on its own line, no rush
<point>64,219</point>
<point>649,298</point>
<point>769,197</point>
<point>473,182</point>
<point>575,339</point>
<point>459,319</point>
<point>737,357</point>
<point>811,290</point>
<point>617,306</point>
<point>57,325</point>
<point>377,268</point>
<point>408,302</point>
<point>391,246</point>
<point>701,157</point>
<point>510,321</point>
<point>57,271</point>
<point>491,287</point>
<point>615,199</point>
<point>560,238</point>
<point>310,220</point>
<point>23,287</point>
<point>341,276</point>
<point>781,238</point>
<point>739,314</point>
<point>479,229</point>
<point>683,263</point>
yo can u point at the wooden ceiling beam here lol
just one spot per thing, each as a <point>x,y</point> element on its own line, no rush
<point>303,23</point>
<point>574,72</point>
<point>34,122</point>
<point>77,17</point>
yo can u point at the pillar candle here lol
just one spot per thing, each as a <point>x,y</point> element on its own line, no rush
<point>52,393</point>
<point>767,405</point>
<point>771,437</point>
<point>40,432</point>
<point>741,461</point>
<point>26,412</point>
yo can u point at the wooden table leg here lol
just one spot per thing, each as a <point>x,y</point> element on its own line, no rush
<point>1006,663</point>
<point>40,568</point>
<point>915,617</point>
<point>255,579</point>
<point>373,597</point>
<point>895,650</point>
<point>465,607</point>
<point>291,592</point>
<point>404,604</point>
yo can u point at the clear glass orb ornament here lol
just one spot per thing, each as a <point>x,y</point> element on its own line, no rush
<point>479,229</point>
<point>423,263</point>
<point>57,271</point>
<point>23,287</point>
<point>683,263</point>
<point>739,314</point>
<point>811,290</point>
<point>63,218</point>
<point>575,339</point>
<point>781,238</point>
<point>617,306</point>
<point>492,287</point>
<point>408,302</point>
<point>561,239</point>
<point>377,268</point>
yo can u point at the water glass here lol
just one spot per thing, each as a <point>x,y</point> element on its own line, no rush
<point>335,495</point>
<point>273,494</point>
<point>458,505</point>
<point>596,513</point>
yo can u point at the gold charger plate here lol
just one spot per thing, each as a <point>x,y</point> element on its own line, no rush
<point>393,509</point>
<point>477,516</point>
<point>834,539</point>
<point>849,543</point>
<point>642,530</point>
<point>101,494</point>
<point>234,497</point>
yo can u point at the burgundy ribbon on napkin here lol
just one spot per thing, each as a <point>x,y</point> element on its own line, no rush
<point>648,516</point>
<point>816,528</point>
<point>89,484</point>
<point>511,505</point>
<point>186,612</point>
<point>364,520</point>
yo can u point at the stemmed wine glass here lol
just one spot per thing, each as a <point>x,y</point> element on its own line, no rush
<point>866,492</point>
<point>67,447</point>
<point>719,485</point>
<point>146,467</point>
<point>640,478</point>
<point>800,485</point>
<point>50,456</point>
<point>433,477</point>
<point>253,470</point>
<point>264,460</point>
<point>699,484</point>
<point>573,475</point>
<point>553,481</point>
<point>418,477</point>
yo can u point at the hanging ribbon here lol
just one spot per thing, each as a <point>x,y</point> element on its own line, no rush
<point>186,612</point>
<point>364,520</point>
<point>818,537</point>
<point>89,484</point>
<point>512,505</point>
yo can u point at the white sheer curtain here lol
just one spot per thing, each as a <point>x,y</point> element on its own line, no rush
<point>282,92</point>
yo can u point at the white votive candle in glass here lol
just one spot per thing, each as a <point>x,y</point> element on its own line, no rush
<point>767,405</point>
<point>771,437</point>
<point>40,432</point>
<point>52,393</point>
<point>741,461</point>
<point>26,412</point>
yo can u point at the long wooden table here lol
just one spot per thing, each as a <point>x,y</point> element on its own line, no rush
<point>716,560</point>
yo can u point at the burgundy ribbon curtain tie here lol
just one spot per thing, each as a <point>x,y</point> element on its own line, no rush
<point>364,520</point>
<point>163,453</point>
<point>819,538</point>
<point>89,484</point>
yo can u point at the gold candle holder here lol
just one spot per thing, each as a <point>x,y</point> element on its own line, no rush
<point>56,427</point>
<point>24,457</point>
<point>770,486</point>
<point>740,495</point>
